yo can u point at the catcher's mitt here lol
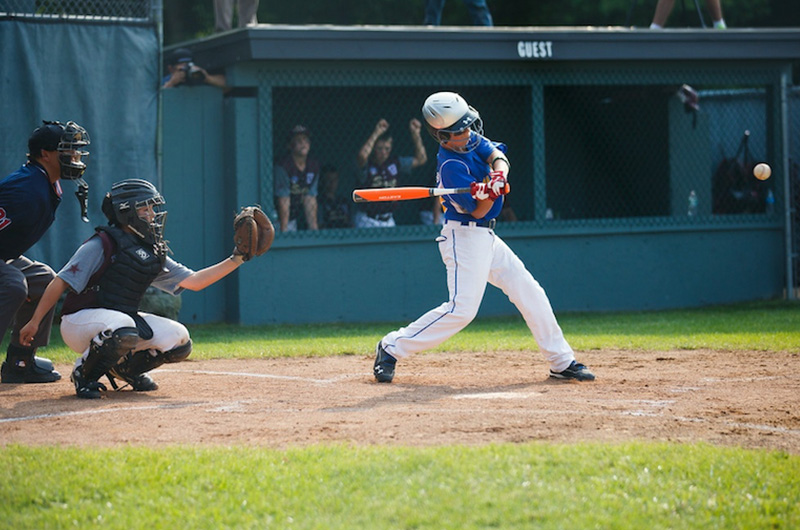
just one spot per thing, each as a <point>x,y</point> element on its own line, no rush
<point>253,233</point>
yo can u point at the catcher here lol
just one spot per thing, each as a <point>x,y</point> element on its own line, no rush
<point>107,277</point>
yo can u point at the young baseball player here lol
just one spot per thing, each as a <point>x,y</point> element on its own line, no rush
<point>107,278</point>
<point>472,253</point>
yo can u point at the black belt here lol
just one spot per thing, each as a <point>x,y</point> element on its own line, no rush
<point>483,224</point>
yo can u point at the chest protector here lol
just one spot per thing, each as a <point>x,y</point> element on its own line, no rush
<point>127,271</point>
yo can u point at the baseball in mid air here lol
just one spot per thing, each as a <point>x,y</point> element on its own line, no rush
<point>762,171</point>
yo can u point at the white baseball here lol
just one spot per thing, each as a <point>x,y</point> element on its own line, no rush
<point>762,171</point>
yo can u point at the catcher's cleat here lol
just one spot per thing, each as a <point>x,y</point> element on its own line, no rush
<point>140,382</point>
<point>86,388</point>
<point>576,371</point>
<point>384,365</point>
<point>23,371</point>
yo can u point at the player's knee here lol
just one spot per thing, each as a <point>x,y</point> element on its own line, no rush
<point>43,278</point>
<point>463,315</point>
<point>178,354</point>
<point>14,288</point>
<point>117,342</point>
<point>178,334</point>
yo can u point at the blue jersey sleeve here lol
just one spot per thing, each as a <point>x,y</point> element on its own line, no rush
<point>460,170</point>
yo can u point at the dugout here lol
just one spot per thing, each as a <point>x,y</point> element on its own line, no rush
<point>604,153</point>
<point>605,150</point>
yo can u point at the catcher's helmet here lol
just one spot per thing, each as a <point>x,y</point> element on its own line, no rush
<point>446,114</point>
<point>121,206</point>
<point>69,140</point>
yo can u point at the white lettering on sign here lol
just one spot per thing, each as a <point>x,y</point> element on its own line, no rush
<point>535,49</point>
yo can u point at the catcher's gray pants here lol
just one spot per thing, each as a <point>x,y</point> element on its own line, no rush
<point>22,283</point>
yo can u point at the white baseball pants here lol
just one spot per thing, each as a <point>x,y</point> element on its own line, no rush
<point>474,256</point>
<point>79,329</point>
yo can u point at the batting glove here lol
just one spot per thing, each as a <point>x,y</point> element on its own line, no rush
<point>479,191</point>
<point>498,185</point>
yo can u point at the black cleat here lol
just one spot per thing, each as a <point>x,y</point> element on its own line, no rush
<point>575,371</point>
<point>140,382</point>
<point>22,371</point>
<point>384,365</point>
<point>84,388</point>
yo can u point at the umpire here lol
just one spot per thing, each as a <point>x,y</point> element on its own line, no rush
<point>29,198</point>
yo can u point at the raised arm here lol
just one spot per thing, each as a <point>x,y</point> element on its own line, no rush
<point>363,155</point>
<point>420,156</point>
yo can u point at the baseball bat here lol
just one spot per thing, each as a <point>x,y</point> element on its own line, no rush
<point>403,193</point>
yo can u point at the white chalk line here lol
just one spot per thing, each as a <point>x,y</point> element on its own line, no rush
<point>96,411</point>
<point>266,376</point>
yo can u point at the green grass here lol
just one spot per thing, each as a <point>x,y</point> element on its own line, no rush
<point>542,486</point>
<point>506,486</point>
<point>763,326</point>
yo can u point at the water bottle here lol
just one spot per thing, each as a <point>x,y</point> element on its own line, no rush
<point>770,200</point>
<point>692,212</point>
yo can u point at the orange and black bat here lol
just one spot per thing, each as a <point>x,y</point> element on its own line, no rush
<point>406,193</point>
<point>403,193</point>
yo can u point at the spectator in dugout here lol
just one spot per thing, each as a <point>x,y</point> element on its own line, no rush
<point>380,168</point>
<point>296,179</point>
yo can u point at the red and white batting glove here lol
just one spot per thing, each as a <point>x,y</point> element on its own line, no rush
<point>498,185</point>
<point>491,190</point>
<point>479,190</point>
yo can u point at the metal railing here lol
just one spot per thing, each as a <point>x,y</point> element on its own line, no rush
<point>101,10</point>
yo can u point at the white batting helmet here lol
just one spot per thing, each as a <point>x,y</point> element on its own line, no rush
<point>447,113</point>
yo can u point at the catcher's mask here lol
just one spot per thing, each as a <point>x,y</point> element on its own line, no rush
<point>447,114</point>
<point>137,204</point>
<point>69,140</point>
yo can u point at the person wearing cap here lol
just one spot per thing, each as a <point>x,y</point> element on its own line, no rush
<point>380,168</point>
<point>181,70</point>
<point>29,198</point>
<point>296,179</point>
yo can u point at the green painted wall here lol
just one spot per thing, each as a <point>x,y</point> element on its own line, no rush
<point>385,280</point>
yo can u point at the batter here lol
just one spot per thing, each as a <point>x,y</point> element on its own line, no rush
<point>472,253</point>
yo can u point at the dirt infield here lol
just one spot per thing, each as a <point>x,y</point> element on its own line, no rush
<point>742,398</point>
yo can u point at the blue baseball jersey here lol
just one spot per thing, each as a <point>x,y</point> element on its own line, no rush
<point>28,203</point>
<point>459,170</point>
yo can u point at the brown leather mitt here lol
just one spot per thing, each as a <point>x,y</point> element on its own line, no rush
<point>253,233</point>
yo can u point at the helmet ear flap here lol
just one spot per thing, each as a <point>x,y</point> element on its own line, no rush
<point>108,209</point>
<point>436,134</point>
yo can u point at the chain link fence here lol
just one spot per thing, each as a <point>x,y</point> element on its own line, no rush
<point>794,179</point>
<point>627,147</point>
<point>128,10</point>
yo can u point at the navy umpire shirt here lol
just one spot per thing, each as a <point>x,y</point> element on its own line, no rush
<point>28,203</point>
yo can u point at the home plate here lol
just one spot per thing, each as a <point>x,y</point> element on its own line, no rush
<point>499,395</point>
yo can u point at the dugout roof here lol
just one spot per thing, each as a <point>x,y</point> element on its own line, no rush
<point>276,42</point>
